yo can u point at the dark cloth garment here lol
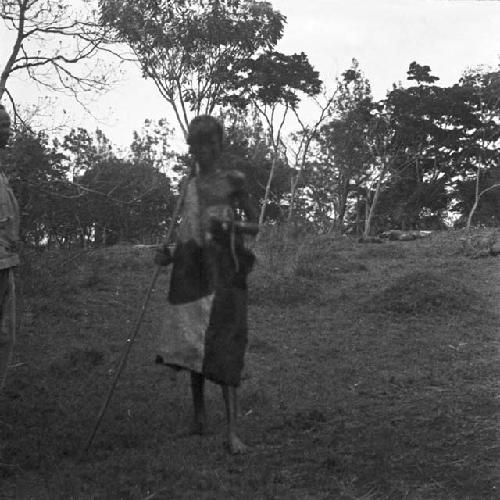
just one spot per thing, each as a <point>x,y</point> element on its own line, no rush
<point>205,324</point>
<point>4,284</point>
<point>7,324</point>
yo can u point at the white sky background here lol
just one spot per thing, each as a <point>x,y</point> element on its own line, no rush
<point>384,35</point>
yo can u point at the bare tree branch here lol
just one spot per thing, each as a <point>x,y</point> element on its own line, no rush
<point>52,37</point>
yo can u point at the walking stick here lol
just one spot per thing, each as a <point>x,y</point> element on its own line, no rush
<point>132,337</point>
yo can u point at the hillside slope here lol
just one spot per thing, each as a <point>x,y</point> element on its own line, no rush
<point>372,373</point>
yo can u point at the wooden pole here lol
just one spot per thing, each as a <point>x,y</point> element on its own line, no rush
<point>131,338</point>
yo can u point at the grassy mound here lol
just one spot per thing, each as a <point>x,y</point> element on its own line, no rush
<point>281,290</point>
<point>320,259</point>
<point>383,252</point>
<point>423,292</point>
<point>291,271</point>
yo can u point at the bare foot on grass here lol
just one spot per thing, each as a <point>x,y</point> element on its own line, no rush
<point>199,426</point>
<point>236,445</point>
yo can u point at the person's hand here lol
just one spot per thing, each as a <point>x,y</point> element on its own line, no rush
<point>5,130</point>
<point>249,228</point>
<point>14,246</point>
<point>163,256</point>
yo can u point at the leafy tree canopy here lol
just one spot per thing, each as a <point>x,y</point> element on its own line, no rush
<point>194,50</point>
<point>421,74</point>
<point>275,77</point>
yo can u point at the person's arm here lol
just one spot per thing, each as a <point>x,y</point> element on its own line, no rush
<point>244,202</point>
<point>251,225</point>
<point>163,256</point>
<point>248,207</point>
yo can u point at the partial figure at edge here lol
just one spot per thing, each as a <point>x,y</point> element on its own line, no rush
<point>9,258</point>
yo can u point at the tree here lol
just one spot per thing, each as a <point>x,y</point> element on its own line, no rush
<point>120,199</point>
<point>80,151</point>
<point>343,155</point>
<point>303,139</point>
<point>247,149</point>
<point>449,136</point>
<point>205,55</point>
<point>421,74</point>
<point>424,119</point>
<point>384,153</point>
<point>101,200</point>
<point>36,171</point>
<point>481,152</point>
<point>468,194</point>
<point>152,144</point>
<point>50,38</point>
<point>194,50</point>
<point>138,204</point>
<point>274,84</point>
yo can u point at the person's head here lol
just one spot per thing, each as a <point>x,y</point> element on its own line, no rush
<point>5,130</point>
<point>205,136</point>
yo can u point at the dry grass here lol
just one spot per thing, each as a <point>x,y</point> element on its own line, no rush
<point>373,374</point>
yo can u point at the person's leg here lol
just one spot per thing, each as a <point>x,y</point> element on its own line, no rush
<point>199,425</point>
<point>231,403</point>
<point>6,329</point>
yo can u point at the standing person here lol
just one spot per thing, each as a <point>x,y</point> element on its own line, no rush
<point>205,323</point>
<point>9,237</point>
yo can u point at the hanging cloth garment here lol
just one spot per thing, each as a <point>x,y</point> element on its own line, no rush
<point>205,317</point>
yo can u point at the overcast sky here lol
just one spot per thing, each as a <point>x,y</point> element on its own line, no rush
<point>384,35</point>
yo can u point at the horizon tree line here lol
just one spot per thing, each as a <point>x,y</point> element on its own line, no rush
<point>406,161</point>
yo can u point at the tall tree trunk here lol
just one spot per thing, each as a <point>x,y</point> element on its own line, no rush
<point>268,189</point>
<point>275,140</point>
<point>358,218</point>
<point>476,203</point>
<point>367,208</point>
<point>339,223</point>
<point>293,188</point>
<point>295,181</point>
<point>98,234</point>
<point>476,200</point>
<point>369,218</point>
<point>373,205</point>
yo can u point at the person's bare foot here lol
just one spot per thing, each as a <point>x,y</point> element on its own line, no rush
<point>172,374</point>
<point>236,445</point>
<point>199,426</point>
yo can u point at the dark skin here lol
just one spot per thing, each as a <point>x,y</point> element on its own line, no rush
<point>4,139</point>
<point>206,151</point>
<point>4,129</point>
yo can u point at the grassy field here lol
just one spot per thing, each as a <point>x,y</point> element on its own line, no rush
<point>373,373</point>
